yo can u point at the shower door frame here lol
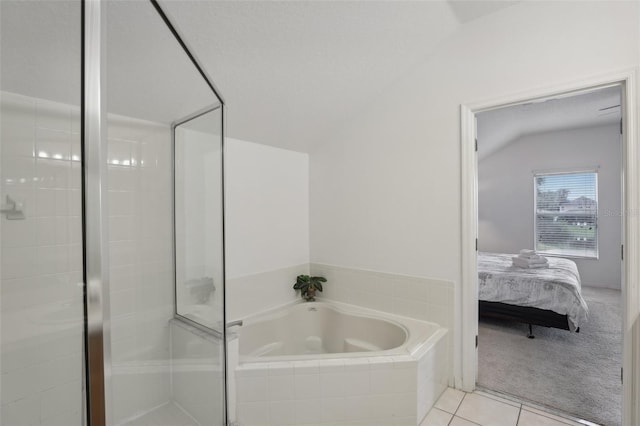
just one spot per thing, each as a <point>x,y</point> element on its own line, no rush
<point>222,334</point>
<point>95,214</point>
<point>95,206</point>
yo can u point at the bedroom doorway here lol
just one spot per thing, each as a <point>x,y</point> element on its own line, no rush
<point>549,260</point>
<point>465,359</point>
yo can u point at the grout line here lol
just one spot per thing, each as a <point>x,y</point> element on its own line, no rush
<point>181,409</point>
<point>460,403</point>
<point>464,418</point>
<point>540,410</point>
<point>566,417</point>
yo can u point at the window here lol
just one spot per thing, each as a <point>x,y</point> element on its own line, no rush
<point>566,214</point>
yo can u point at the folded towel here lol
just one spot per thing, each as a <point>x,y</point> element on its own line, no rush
<point>528,263</point>
<point>529,254</point>
<point>536,260</point>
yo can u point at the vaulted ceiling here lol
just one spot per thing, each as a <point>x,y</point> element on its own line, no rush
<point>291,72</point>
<point>500,127</point>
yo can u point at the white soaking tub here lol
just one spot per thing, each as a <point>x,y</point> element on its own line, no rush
<point>332,363</point>
<point>316,330</point>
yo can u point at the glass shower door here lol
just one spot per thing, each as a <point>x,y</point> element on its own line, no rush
<point>151,366</point>
<point>164,370</point>
<point>198,361</point>
<point>41,282</point>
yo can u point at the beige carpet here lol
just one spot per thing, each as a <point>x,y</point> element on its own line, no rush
<point>578,373</point>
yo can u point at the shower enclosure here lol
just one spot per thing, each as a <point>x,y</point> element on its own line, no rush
<point>112,260</point>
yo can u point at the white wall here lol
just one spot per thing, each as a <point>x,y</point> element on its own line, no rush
<point>267,225</point>
<point>386,188</point>
<point>505,194</point>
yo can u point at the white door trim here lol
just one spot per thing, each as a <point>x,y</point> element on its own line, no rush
<point>468,305</point>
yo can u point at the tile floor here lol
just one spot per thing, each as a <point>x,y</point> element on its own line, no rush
<point>168,414</point>
<point>454,408</point>
<point>457,408</point>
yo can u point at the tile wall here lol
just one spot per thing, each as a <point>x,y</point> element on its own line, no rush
<point>196,373</point>
<point>41,270</point>
<point>41,335</point>
<point>141,264</point>
<point>251,294</point>
<point>425,299</point>
<point>382,391</point>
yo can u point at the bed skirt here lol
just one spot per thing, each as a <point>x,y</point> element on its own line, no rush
<point>523,314</point>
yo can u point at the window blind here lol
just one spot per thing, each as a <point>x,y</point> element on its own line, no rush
<point>566,214</point>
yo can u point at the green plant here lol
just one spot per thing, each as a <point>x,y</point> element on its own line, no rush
<point>308,286</point>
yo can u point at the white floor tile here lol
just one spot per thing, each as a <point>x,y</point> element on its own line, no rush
<point>457,421</point>
<point>527,418</point>
<point>437,417</point>
<point>450,400</point>
<point>487,411</point>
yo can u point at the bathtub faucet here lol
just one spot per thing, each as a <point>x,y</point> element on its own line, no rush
<point>234,323</point>
<point>200,289</point>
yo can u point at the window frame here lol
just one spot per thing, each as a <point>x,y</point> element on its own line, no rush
<point>542,173</point>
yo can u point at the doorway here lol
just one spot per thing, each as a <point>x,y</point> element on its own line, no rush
<point>469,288</point>
<point>549,183</point>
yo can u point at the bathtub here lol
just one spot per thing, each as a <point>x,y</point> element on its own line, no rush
<point>333,363</point>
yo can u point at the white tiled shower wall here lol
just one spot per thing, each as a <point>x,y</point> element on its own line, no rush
<point>141,263</point>
<point>41,335</point>
<point>41,331</point>
<point>196,373</point>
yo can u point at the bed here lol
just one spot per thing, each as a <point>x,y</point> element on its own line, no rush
<point>549,297</point>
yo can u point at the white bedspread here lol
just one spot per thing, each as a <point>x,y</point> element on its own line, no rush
<point>556,288</point>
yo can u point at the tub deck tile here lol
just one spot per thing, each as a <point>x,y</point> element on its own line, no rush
<point>356,364</point>
<point>280,368</point>
<point>306,367</point>
<point>331,365</point>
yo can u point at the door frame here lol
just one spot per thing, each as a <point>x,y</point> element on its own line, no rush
<point>468,303</point>
<point>97,325</point>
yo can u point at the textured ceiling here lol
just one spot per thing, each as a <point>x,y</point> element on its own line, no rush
<point>468,10</point>
<point>499,127</point>
<point>291,72</point>
<point>148,74</point>
<point>40,49</point>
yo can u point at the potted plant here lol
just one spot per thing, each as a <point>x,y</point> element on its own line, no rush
<point>308,286</point>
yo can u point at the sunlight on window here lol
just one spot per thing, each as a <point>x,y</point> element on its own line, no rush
<point>567,214</point>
